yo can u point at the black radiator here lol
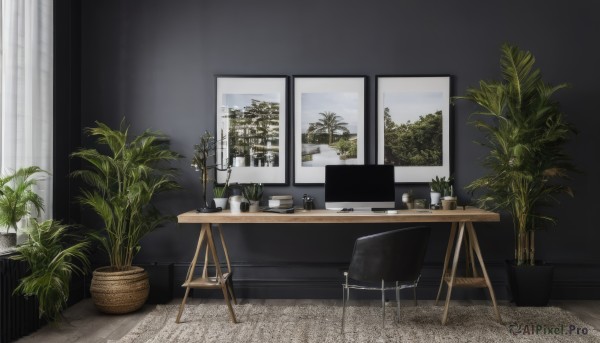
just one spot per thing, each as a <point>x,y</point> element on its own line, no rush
<point>18,315</point>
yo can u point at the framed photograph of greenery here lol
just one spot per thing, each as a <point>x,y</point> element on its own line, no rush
<point>413,126</point>
<point>329,124</point>
<point>251,129</point>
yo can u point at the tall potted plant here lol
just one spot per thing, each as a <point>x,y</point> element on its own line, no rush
<point>123,176</point>
<point>525,132</point>
<point>17,200</point>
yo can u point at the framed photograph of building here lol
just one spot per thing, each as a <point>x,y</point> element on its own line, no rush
<point>251,118</point>
<point>329,124</point>
<point>413,126</point>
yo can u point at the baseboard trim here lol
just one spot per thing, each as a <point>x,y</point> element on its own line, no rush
<point>573,281</point>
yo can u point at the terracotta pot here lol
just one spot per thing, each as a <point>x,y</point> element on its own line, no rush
<point>119,291</point>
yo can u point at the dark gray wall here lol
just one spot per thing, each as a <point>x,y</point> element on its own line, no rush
<point>154,61</point>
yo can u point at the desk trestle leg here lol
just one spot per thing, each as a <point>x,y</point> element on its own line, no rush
<point>472,279</point>
<point>219,280</point>
<point>446,260</point>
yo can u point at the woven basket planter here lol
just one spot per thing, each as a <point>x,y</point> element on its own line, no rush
<point>118,292</point>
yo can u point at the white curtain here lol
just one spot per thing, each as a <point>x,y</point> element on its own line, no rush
<point>26,73</point>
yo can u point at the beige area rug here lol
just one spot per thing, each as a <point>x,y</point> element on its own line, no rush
<point>318,323</point>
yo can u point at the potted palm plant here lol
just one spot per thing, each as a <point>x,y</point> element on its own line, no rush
<point>124,175</point>
<point>525,132</point>
<point>17,200</point>
<point>51,264</point>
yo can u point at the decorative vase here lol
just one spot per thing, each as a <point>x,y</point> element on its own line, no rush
<point>221,202</point>
<point>435,198</point>
<point>254,205</point>
<point>119,291</point>
<point>8,241</point>
<point>235,202</point>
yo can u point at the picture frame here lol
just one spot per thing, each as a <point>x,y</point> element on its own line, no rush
<point>411,111</point>
<point>251,129</point>
<point>329,124</point>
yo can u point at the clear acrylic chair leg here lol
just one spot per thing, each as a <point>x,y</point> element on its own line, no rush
<point>344,290</point>
<point>415,294</point>
<point>382,305</point>
<point>398,302</point>
<point>345,298</point>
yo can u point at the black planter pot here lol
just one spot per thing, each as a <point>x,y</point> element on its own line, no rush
<point>530,285</point>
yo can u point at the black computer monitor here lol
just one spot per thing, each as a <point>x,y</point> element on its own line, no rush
<point>360,187</point>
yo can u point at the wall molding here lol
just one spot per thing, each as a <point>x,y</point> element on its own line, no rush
<point>323,281</point>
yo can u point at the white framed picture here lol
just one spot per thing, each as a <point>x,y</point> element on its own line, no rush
<point>329,124</point>
<point>413,126</point>
<point>251,135</point>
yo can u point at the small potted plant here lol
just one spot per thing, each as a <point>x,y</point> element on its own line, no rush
<point>439,187</point>
<point>449,200</point>
<point>253,193</point>
<point>17,200</point>
<point>220,192</point>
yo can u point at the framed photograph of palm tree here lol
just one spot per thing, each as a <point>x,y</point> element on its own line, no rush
<point>413,126</point>
<point>329,124</point>
<point>251,129</point>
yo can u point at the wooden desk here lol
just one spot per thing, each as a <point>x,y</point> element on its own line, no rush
<point>461,221</point>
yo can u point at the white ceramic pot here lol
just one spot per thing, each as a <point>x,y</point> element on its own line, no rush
<point>435,198</point>
<point>221,202</point>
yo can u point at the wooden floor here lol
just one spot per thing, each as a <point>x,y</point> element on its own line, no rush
<point>83,323</point>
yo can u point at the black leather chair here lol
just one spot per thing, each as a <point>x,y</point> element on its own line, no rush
<point>394,258</point>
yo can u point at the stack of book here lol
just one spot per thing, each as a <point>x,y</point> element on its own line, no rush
<point>281,201</point>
